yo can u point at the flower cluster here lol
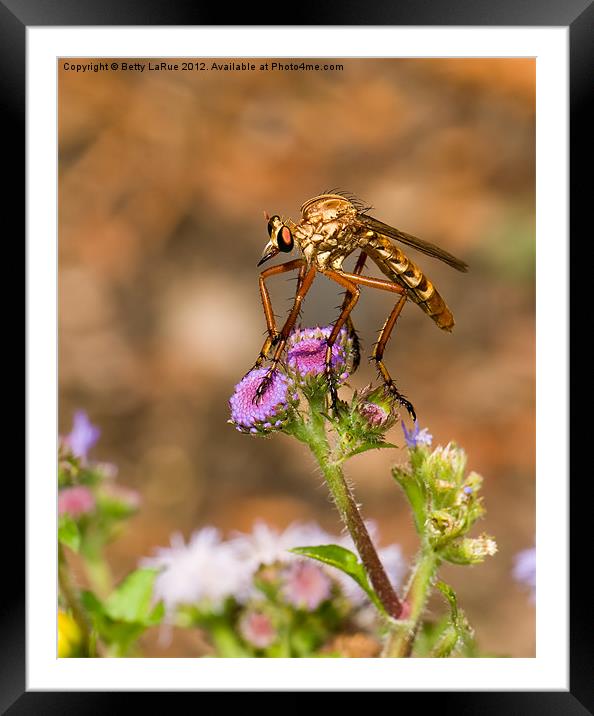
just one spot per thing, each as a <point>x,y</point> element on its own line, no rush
<point>304,371</point>
<point>200,581</point>
<point>91,505</point>
<point>209,570</point>
<point>445,500</point>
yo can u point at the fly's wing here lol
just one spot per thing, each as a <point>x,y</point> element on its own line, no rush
<point>423,246</point>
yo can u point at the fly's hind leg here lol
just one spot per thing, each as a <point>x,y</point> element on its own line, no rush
<point>378,354</point>
<point>356,350</point>
<point>378,351</point>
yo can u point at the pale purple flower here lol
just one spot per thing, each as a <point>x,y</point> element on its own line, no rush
<point>306,585</point>
<point>83,435</point>
<point>416,437</point>
<point>204,569</point>
<point>306,354</point>
<point>250,415</point>
<point>524,570</point>
<point>75,501</point>
<point>257,629</point>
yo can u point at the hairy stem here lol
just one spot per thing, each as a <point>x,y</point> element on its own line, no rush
<point>401,639</point>
<point>314,435</point>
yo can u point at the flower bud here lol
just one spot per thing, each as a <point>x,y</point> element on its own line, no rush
<point>470,550</point>
<point>377,408</point>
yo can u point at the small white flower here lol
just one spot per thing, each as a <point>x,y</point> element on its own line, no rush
<point>266,545</point>
<point>203,569</point>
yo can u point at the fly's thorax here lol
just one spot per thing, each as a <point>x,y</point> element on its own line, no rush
<point>326,208</point>
<point>326,245</point>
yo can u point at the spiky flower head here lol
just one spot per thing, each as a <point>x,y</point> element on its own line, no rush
<point>271,412</point>
<point>306,356</point>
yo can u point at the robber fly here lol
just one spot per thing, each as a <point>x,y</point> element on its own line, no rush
<point>332,227</point>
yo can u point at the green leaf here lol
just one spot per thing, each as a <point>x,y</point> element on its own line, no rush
<point>131,601</point>
<point>346,561</point>
<point>416,494</point>
<point>459,636</point>
<point>370,445</point>
<point>68,533</point>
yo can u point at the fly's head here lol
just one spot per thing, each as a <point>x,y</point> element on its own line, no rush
<point>281,238</point>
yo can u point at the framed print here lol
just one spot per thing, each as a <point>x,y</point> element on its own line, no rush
<point>235,480</point>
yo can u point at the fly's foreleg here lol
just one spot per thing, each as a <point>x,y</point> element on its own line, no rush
<point>351,299</point>
<point>303,287</point>
<point>273,335</point>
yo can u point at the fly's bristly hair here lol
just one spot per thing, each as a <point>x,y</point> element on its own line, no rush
<point>360,205</point>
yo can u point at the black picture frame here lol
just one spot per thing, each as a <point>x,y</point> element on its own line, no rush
<point>578,15</point>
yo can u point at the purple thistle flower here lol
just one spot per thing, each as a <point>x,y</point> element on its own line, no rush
<point>306,354</point>
<point>83,435</point>
<point>269,413</point>
<point>416,437</point>
<point>257,629</point>
<point>307,586</point>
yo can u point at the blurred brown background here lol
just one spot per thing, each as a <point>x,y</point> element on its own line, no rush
<point>163,177</point>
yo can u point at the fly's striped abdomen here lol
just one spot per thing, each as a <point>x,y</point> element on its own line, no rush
<point>399,268</point>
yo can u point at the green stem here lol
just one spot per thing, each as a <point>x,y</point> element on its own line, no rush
<point>314,435</point>
<point>70,595</point>
<point>401,639</point>
<point>96,567</point>
<point>99,575</point>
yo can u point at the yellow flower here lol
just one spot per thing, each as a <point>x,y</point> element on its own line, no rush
<point>69,635</point>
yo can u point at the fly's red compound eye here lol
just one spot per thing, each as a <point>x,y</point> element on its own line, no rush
<point>284,239</point>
